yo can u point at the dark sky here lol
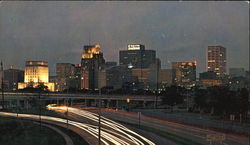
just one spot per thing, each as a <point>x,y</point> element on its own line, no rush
<point>178,31</point>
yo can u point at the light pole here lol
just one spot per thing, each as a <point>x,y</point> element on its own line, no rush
<point>128,101</point>
<point>139,119</point>
<point>40,109</point>
<point>67,114</point>
<point>99,119</point>
<point>2,85</point>
<point>99,127</point>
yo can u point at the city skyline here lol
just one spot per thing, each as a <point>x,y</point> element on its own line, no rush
<point>56,32</point>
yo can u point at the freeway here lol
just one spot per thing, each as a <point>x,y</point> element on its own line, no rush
<point>187,131</point>
<point>111,127</point>
<point>120,135</point>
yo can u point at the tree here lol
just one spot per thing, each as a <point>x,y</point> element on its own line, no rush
<point>243,101</point>
<point>200,99</point>
<point>172,96</point>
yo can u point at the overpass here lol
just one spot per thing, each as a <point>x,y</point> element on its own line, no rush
<point>84,99</point>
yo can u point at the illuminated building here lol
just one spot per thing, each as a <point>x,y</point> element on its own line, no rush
<point>216,60</point>
<point>91,64</point>
<point>184,72</point>
<point>35,73</point>
<point>12,77</point>
<point>136,56</point>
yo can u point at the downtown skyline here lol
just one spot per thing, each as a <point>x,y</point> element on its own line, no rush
<point>178,31</point>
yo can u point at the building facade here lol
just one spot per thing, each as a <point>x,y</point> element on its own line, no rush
<point>12,77</point>
<point>65,73</point>
<point>183,72</point>
<point>119,76</point>
<point>216,60</point>
<point>136,56</point>
<point>35,73</point>
<point>237,72</point>
<point>165,77</point>
<point>91,64</point>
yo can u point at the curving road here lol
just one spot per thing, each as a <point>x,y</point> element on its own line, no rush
<point>187,131</point>
<point>118,135</point>
<point>111,130</point>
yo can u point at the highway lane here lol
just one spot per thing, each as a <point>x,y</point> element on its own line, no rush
<point>107,136</point>
<point>187,131</point>
<point>119,130</point>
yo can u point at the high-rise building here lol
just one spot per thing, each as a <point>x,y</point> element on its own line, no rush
<point>137,57</point>
<point>91,64</point>
<point>35,73</point>
<point>119,76</point>
<point>165,77</point>
<point>65,73</point>
<point>184,72</point>
<point>148,77</point>
<point>12,77</point>
<point>216,60</point>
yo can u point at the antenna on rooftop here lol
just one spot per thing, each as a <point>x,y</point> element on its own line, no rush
<point>89,38</point>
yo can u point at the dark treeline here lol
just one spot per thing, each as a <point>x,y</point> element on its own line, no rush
<point>216,100</point>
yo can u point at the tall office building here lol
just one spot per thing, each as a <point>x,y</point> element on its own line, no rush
<point>184,72</point>
<point>36,72</point>
<point>136,56</point>
<point>165,77</point>
<point>119,76</point>
<point>65,73</point>
<point>91,64</point>
<point>12,77</point>
<point>216,60</point>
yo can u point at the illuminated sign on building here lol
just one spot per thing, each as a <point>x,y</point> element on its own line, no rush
<point>135,47</point>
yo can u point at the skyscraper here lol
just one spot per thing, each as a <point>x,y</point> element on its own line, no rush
<point>91,63</point>
<point>65,73</point>
<point>137,57</point>
<point>216,60</point>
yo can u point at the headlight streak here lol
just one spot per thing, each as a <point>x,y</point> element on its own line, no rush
<point>109,135</point>
<point>123,131</point>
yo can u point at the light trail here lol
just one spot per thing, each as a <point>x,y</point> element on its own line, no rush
<point>107,136</point>
<point>121,131</point>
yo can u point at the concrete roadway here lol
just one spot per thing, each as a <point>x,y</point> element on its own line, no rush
<point>194,133</point>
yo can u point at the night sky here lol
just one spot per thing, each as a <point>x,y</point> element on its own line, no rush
<point>178,31</point>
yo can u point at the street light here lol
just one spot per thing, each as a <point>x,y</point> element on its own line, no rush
<point>2,85</point>
<point>128,101</point>
<point>99,119</point>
